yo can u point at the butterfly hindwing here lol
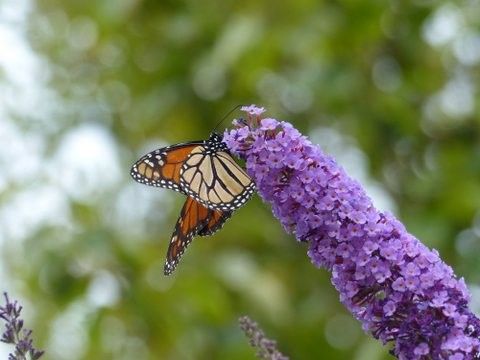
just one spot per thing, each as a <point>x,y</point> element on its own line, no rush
<point>194,219</point>
<point>161,167</point>
<point>215,222</point>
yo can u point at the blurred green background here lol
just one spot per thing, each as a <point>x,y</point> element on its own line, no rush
<point>390,88</point>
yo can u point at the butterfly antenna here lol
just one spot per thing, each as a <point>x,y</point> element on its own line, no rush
<point>228,114</point>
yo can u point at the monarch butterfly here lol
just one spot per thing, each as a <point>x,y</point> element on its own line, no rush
<point>214,183</point>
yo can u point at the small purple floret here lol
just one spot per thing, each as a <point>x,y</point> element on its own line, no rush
<point>399,289</point>
<point>253,110</point>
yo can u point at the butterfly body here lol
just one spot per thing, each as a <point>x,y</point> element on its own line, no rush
<point>214,183</point>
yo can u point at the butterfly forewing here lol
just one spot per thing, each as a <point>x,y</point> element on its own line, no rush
<point>162,167</point>
<point>215,179</point>
<point>194,219</point>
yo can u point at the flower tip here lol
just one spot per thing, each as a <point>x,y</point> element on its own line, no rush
<point>253,110</point>
<point>269,124</point>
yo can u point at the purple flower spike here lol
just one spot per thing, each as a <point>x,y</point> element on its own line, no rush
<point>399,289</point>
<point>15,334</point>
<point>266,348</point>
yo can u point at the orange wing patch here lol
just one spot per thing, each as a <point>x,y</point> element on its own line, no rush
<point>161,168</point>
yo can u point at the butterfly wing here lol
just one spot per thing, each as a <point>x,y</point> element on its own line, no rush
<point>162,167</point>
<point>215,179</point>
<point>215,222</point>
<point>194,219</point>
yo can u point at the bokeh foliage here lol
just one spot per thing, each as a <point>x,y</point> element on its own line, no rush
<point>394,82</point>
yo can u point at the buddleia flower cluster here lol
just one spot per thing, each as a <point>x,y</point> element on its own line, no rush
<point>400,290</point>
<point>15,334</point>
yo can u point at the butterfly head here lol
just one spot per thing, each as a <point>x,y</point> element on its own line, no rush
<point>215,142</point>
<point>215,137</point>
